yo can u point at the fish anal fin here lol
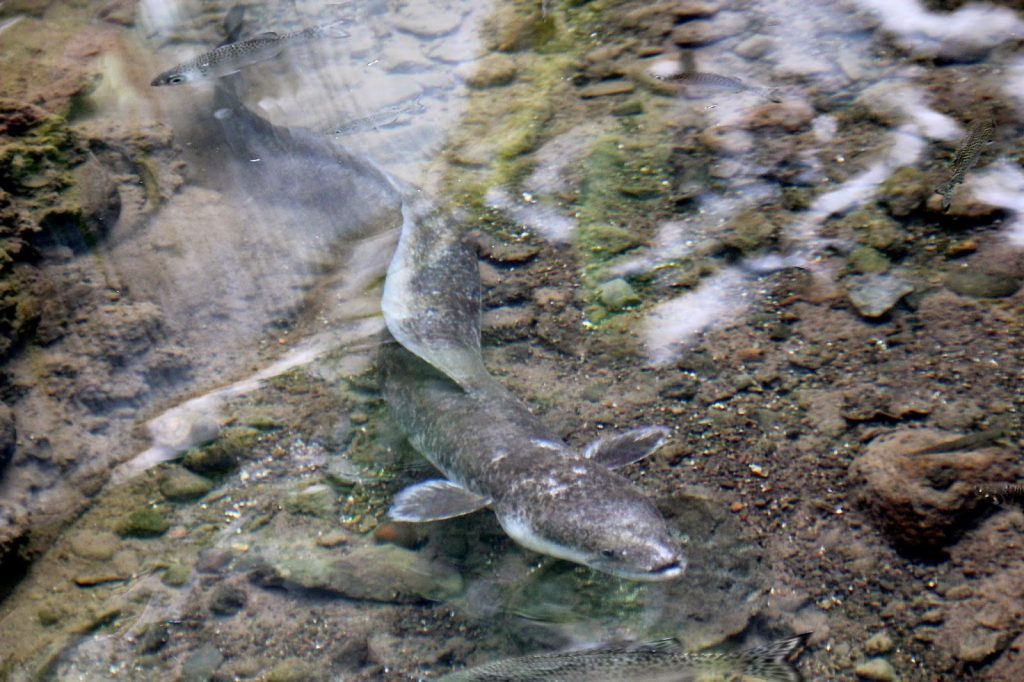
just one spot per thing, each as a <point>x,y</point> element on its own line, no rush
<point>626,448</point>
<point>435,500</point>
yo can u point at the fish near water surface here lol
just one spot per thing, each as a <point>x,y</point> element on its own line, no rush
<point>661,661</point>
<point>234,56</point>
<point>549,498</point>
<point>702,80</point>
<point>978,135</point>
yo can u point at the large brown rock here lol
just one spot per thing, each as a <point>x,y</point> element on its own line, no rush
<point>924,502</point>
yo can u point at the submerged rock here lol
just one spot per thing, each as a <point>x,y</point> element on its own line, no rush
<point>905,191</point>
<point>201,665</point>
<point>384,573</point>
<point>144,523</point>
<point>227,600</point>
<point>8,436</point>
<point>94,545</point>
<point>180,484</point>
<point>924,501</point>
<point>617,294</point>
<point>876,669</point>
<point>875,295</point>
<point>980,282</point>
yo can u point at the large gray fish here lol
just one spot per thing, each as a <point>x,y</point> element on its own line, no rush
<point>234,56</point>
<point>546,496</point>
<point>492,450</point>
<point>431,299</point>
<point>978,135</point>
<point>292,166</point>
<point>653,662</point>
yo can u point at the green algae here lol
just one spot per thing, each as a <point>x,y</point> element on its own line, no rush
<point>144,523</point>
<point>223,455</point>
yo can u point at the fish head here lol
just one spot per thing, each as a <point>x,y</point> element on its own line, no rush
<point>600,520</point>
<point>173,77</point>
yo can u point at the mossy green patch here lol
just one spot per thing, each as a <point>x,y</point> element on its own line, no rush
<point>176,575</point>
<point>223,454</point>
<point>867,260</point>
<point>144,523</point>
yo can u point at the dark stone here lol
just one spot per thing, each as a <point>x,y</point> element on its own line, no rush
<point>227,600</point>
<point>8,436</point>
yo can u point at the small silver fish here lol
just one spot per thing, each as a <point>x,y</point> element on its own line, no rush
<point>377,119</point>
<point>979,134</point>
<point>233,57</point>
<point>660,661</point>
<point>714,81</point>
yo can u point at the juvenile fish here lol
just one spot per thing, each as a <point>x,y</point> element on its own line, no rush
<point>653,662</point>
<point>971,441</point>
<point>231,58</point>
<point>384,117</point>
<point>714,81</point>
<point>979,134</point>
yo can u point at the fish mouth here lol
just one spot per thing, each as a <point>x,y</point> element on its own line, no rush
<point>668,571</point>
<point>671,570</point>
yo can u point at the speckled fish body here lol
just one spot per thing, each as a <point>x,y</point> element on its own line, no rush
<point>548,497</point>
<point>492,451</point>
<point>642,663</point>
<point>717,82</point>
<point>232,57</point>
<point>979,134</point>
<point>381,118</point>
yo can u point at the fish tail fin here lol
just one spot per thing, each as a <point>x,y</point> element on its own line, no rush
<point>233,22</point>
<point>332,29</point>
<point>772,662</point>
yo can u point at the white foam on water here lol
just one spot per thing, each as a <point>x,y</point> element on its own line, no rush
<point>924,32</point>
<point>537,217</point>
<point>716,301</point>
<point>1002,185</point>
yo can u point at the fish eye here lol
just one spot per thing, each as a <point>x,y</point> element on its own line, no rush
<point>608,553</point>
<point>174,80</point>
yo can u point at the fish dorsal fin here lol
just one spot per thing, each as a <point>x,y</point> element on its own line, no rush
<point>626,448</point>
<point>266,35</point>
<point>435,500</point>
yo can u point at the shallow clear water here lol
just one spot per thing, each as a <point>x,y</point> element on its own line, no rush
<point>719,217</point>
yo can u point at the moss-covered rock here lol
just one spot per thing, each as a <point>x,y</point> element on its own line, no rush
<point>617,295</point>
<point>904,191</point>
<point>314,500</point>
<point>144,523</point>
<point>749,232</point>
<point>178,484</point>
<point>223,454</point>
<point>608,240</point>
<point>866,260</point>
<point>176,575</point>
<point>874,228</point>
<point>978,282</point>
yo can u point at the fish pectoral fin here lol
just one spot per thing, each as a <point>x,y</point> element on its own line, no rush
<point>628,447</point>
<point>435,500</point>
